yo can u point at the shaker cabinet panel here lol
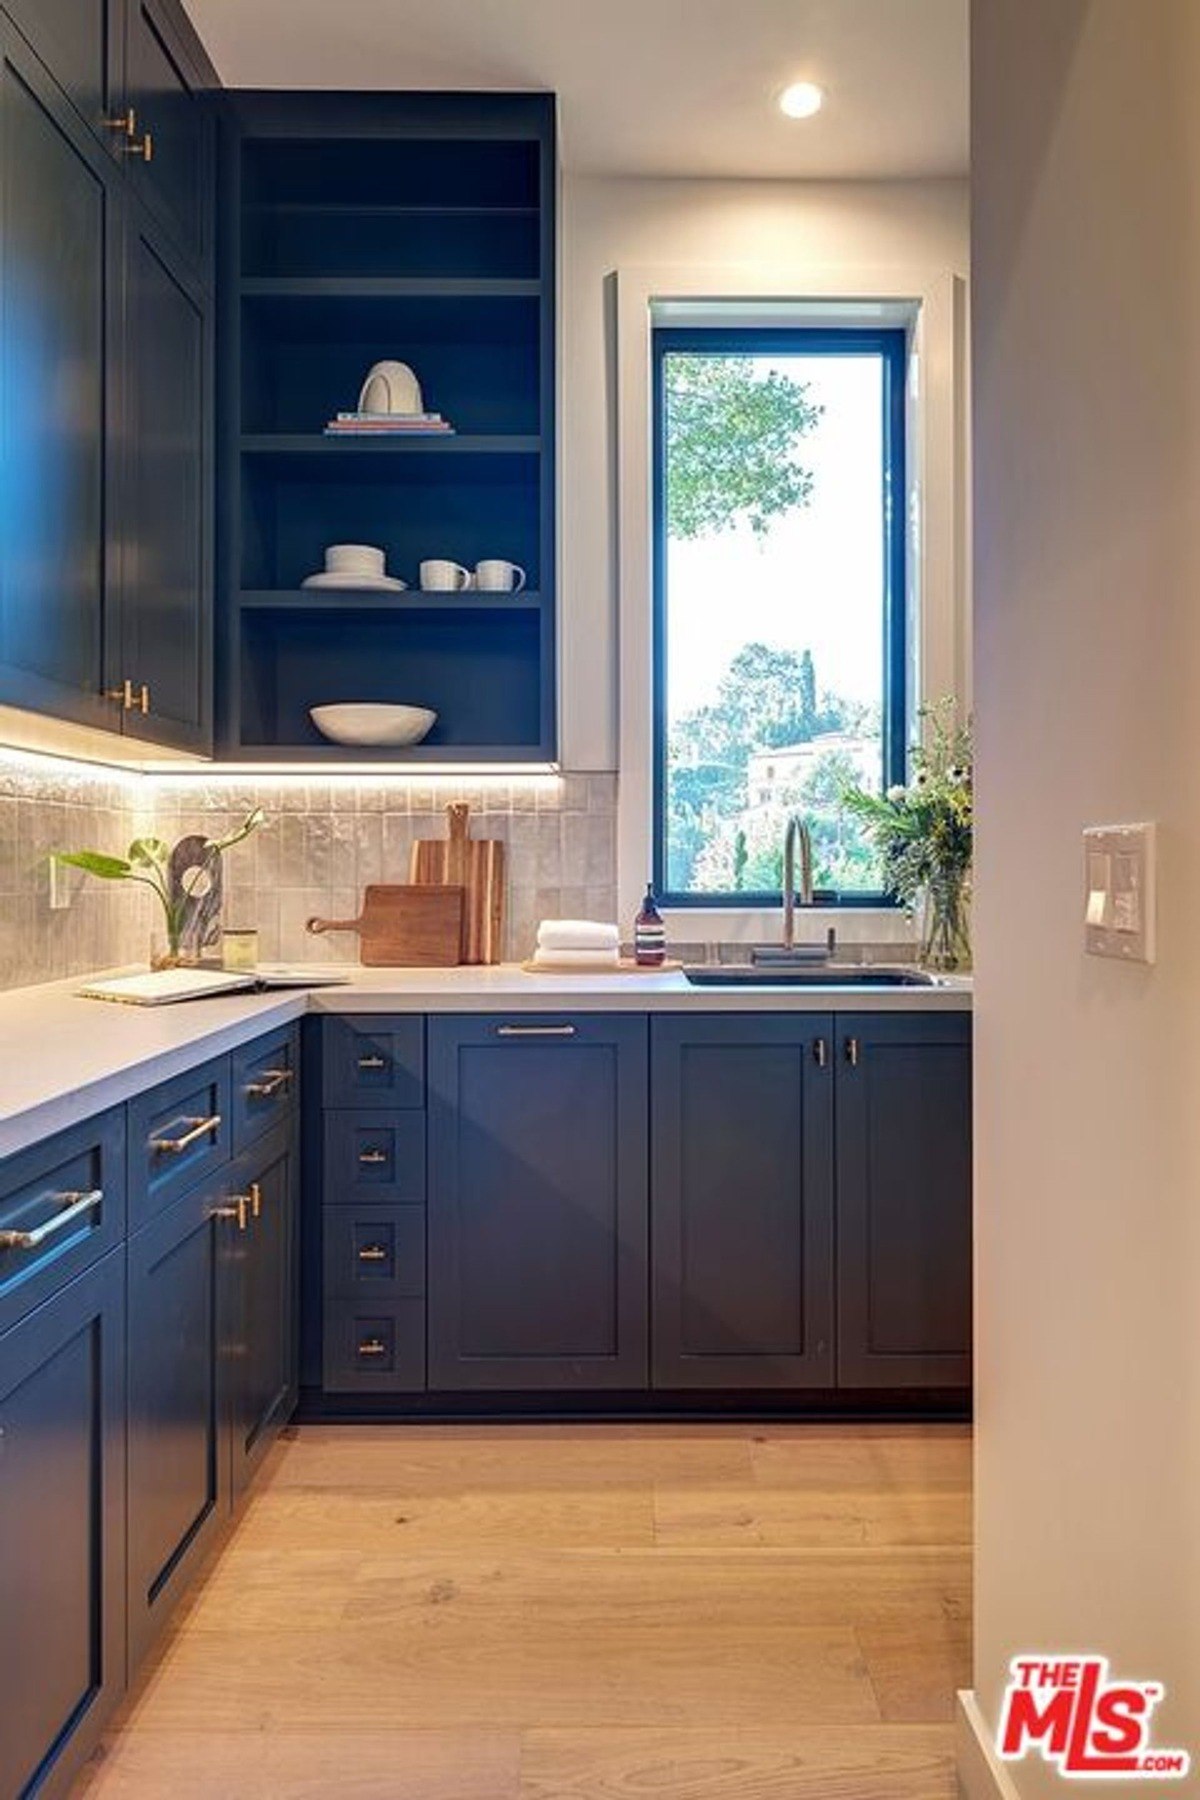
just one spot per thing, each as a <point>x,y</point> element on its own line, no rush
<point>175,179</point>
<point>904,1200</point>
<point>166,552</point>
<point>263,1270</point>
<point>537,1202</point>
<point>79,42</point>
<point>62,1530</point>
<point>742,1201</point>
<point>59,324</point>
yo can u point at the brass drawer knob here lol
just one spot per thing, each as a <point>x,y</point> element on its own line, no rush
<point>372,1158</point>
<point>372,1347</point>
<point>372,1253</point>
<point>372,1062</point>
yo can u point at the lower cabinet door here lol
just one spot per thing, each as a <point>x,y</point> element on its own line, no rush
<point>179,1325</point>
<point>537,1202</point>
<point>62,1530</point>
<point>742,1201</point>
<point>263,1346</point>
<point>904,1200</point>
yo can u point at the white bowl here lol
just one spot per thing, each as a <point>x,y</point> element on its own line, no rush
<point>366,723</point>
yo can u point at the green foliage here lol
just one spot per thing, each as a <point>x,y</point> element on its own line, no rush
<point>732,436</point>
<point>147,861</point>
<point>767,698</point>
<point>924,831</point>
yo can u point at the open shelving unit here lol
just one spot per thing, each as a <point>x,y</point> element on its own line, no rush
<point>361,227</point>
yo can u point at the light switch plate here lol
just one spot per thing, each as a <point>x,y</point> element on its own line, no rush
<point>1118,891</point>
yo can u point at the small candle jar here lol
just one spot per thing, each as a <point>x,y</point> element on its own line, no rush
<point>239,951</point>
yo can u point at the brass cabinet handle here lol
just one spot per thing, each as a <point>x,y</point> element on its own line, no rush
<point>126,124</point>
<point>197,1129</point>
<point>238,1208</point>
<point>143,699</point>
<point>820,1052</point>
<point>372,1253</point>
<point>129,698</point>
<point>554,1031</point>
<point>269,1083</point>
<point>372,1062</point>
<point>255,1200</point>
<point>852,1052</point>
<point>372,1158</point>
<point>74,1206</point>
<point>372,1347</point>
<point>142,148</point>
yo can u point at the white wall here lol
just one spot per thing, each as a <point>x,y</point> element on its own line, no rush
<point>608,224</point>
<point>1086,374</point>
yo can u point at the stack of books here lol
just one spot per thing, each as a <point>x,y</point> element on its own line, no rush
<point>371,424</point>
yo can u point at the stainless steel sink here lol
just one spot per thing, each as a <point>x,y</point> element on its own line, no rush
<point>821,975</point>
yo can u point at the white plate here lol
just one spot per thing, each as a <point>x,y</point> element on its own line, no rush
<point>364,583</point>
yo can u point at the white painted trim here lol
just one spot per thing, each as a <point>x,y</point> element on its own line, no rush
<point>981,1774</point>
<point>935,299</point>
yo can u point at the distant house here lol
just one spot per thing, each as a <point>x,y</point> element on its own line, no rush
<point>774,775</point>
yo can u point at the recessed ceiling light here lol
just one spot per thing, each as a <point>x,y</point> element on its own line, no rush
<point>801,100</point>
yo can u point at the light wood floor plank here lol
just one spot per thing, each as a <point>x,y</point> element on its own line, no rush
<point>571,1613</point>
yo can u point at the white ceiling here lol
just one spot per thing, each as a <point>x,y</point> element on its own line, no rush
<point>647,87</point>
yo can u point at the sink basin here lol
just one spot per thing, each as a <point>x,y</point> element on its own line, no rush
<point>822,975</point>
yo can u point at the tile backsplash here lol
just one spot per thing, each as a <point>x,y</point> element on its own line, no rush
<point>322,843</point>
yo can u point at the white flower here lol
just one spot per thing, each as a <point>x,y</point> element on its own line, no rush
<point>897,794</point>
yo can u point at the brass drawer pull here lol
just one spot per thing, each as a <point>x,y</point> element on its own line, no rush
<point>268,1084</point>
<point>372,1158</point>
<point>74,1206</point>
<point>372,1347</point>
<point>555,1031</point>
<point>255,1200</point>
<point>197,1129</point>
<point>852,1052</point>
<point>237,1208</point>
<point>820,1052</point>
<point>142,148</point>
<point>372,1253</point>
<point>372,1062</point>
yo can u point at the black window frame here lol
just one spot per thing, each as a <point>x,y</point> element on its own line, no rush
<point>891,345</point>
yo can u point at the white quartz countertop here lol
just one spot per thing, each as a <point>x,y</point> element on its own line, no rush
<point>64,1058</point>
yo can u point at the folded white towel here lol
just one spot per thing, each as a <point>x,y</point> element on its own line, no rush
<point>577,934</point>
<point>546,955</point>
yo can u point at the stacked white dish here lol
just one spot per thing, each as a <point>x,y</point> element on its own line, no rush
<point>354,566</point>
<point>577,944</point>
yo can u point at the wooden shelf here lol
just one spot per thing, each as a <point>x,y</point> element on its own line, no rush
<point>310,600</point>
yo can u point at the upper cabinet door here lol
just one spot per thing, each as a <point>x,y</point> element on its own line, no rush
<point>59,263</point>
<point>742,1201</point>
<point>904,1200</point>
<point>166,561</point>
<point>170,150</point>
<point>80,42</point>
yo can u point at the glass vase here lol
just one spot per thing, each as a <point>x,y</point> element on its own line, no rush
<point>944,915</point>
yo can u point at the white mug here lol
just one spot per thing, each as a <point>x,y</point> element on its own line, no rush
<point>495,576</point>
<point>439,577</point>
<point>353,559</point>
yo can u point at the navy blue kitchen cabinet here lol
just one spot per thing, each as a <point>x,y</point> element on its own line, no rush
<point>743,1201</point>
<point>262,1347</point>
<point>62,1530</point>
<point>106,375</point>
<point>538,1156</point>
<point>904,1200</point>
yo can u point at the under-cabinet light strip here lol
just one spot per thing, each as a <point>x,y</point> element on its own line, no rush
<point>536,777</point>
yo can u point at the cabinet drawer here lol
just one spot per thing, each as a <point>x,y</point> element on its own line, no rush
<point>264,1078</point>
<point>374,1157</point>
<point>178,1134</point>
<point>373,1063</point>
<point>375,1255</point>
<point>62,1207</point>
<point>374,1349</point>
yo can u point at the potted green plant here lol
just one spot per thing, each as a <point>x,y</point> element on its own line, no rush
<point>924,833</point>
<point>181,886</point>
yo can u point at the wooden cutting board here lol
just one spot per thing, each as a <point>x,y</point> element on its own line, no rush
<point>405,927</point>
<point>478,866</point>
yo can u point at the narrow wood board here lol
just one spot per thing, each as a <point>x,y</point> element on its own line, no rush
<point>479,867</point>
<point>624,966</point>
<point>405,927</point>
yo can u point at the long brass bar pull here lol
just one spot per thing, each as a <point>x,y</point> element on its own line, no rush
<point>198,1128</point>
<point>74,1208</point>
<point>270,1082</point>
<point>539,1031</point>
<point>852,1052</point>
